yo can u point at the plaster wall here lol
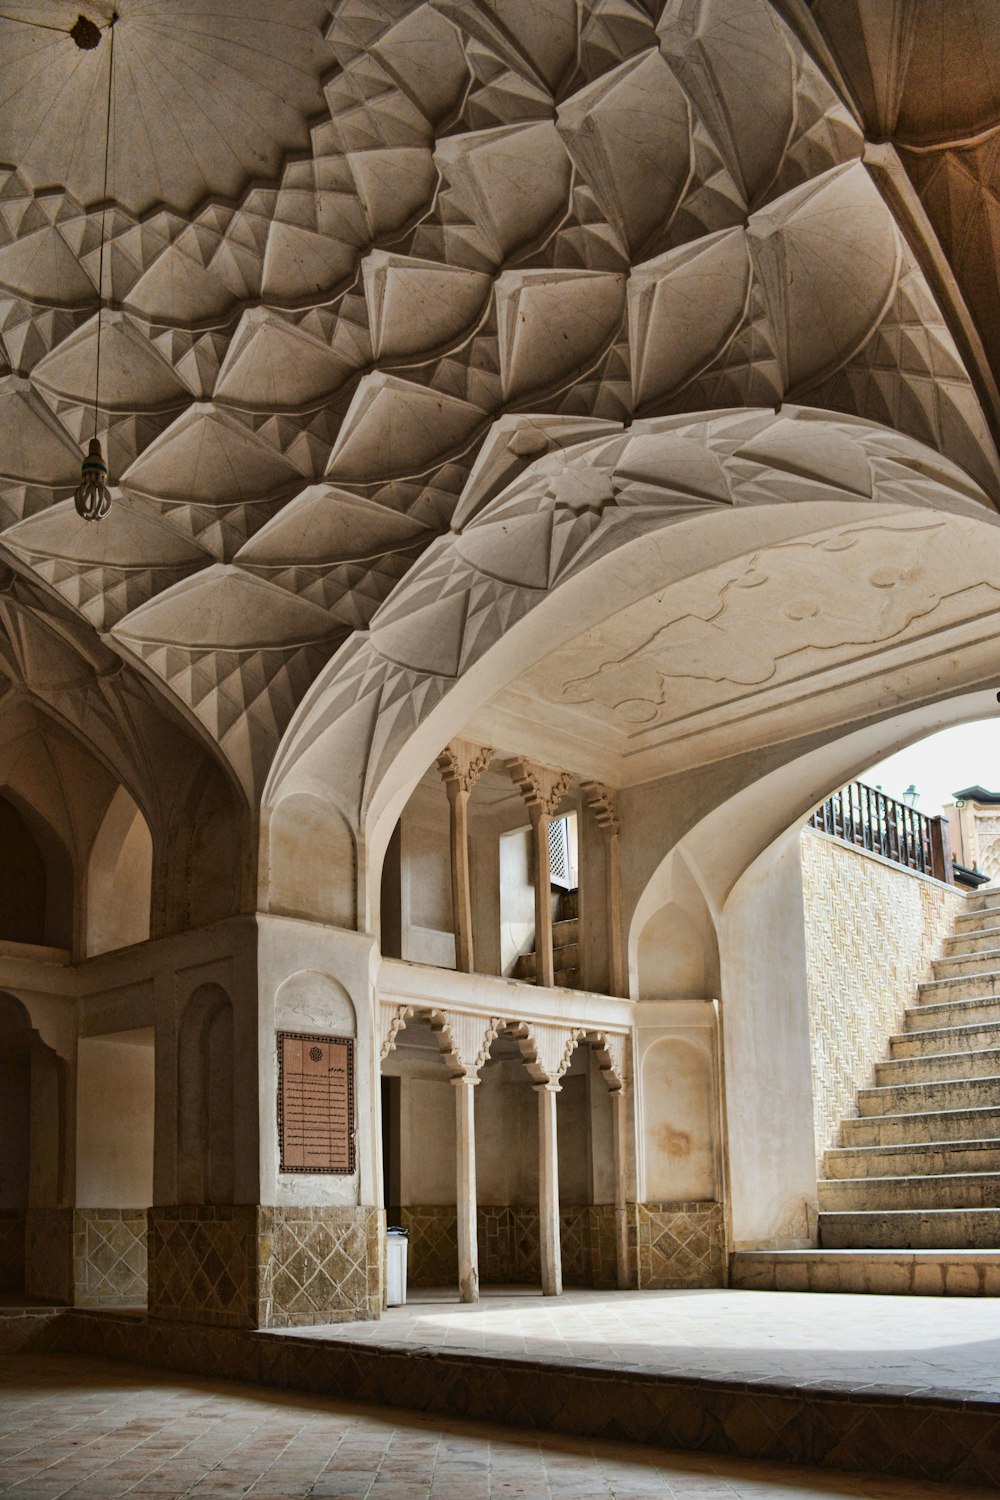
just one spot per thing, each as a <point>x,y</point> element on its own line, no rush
<point>872,929</point>
<point>768,1054</point>
<point>425,877</point>
<point>115,1118</point>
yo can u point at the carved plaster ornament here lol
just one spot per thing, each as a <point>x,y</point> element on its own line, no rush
<point>541,787</point>
<point>461,763</point>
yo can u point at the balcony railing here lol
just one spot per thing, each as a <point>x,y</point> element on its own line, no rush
<point>865,816</point>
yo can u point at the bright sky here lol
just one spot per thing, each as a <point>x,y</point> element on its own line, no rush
<point>968,755</point>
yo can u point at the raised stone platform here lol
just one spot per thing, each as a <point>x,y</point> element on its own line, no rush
<point>883,1384</point>
<point>920,1273</point>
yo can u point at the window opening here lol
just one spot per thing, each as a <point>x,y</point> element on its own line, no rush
<point>563,864</point>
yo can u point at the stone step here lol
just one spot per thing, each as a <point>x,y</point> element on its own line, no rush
<point>916,1098</point>
<point>914,1273</point>
<point>566,932</point>
<point>923,1159</point>
<point>935,1126</point>
<point>937,1066</point>
<point>957,1013</point>
<point>919,1229</point>
<point>565,956</point>
<point>975,940</point>
<point>987,962</point>
<point>985,901</point>
<point>959,987</point>
<point>977,919</point>
<point>932,1041</point>
<point>887,1194</point>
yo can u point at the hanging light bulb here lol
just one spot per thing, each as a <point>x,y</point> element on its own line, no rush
<point>93,498</point>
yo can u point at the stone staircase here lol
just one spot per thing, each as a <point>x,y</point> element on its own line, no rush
<point>918,1169</point>
<point>565,944</point>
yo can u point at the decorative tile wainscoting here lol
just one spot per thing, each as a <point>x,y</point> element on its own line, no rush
<point>264,1267</point>
<point>319,1265</point>
<point>12,1231</point>
<point>48,1254</point>
<point>677,1244</point>
<point>109,1257</point>
<point>508,1245</point>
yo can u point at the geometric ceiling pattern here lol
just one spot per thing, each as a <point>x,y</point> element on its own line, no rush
<point>358,252</point>
<point>526,536</point>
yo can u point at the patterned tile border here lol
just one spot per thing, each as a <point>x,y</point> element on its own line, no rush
<point>914,1436</point>
<point>247,1266</point>
<point>677,1244</point>
<point>508,1245</point>
<point>109,1257</point>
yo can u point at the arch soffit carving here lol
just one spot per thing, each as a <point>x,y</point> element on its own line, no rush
<point>537,541</point>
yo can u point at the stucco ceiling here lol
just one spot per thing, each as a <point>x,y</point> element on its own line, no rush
<point>345,242</point>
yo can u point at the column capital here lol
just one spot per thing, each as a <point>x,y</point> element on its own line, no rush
<point>547,1088</point>
<point>601,801</point>
<point>542,787</point>
<point>468,1078</point>
<point>461,764</point>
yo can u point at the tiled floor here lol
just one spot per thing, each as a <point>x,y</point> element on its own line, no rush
<point>902,1344</point>
<point>86,1428</point>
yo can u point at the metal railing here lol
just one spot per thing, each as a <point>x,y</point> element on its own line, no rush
<point>865,816</point>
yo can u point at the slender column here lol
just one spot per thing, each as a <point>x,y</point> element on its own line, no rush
<point>545,968</point>
<point>468,1234</point>
<point>461,764</point>
<point>619,1102</point>
<point>542,789</point>
<point>601,802</point>
<point>548,1190</point>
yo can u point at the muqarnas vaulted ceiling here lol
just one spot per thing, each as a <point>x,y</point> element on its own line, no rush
<point>343,241</point>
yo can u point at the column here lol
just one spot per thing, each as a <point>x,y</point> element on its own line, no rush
<point>619,1102</point>
<point>542,789</point>
<point>548,1190</point>
<point>468,1236</point>
<point>601,802</point>
<point>461,764</point>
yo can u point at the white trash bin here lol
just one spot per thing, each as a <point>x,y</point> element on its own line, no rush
<point>395,1267</point>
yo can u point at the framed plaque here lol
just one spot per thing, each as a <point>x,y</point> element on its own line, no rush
<point>315,1103</point>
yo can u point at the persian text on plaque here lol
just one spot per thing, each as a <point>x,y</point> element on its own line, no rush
<point>315,1102</point>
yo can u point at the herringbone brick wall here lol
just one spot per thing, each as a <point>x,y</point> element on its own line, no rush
<point>872,930</point>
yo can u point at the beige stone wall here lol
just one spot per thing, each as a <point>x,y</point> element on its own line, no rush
<point>872,930</point>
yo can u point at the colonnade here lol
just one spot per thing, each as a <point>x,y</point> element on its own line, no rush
<point>543,789</point>
<point>546,1050</point>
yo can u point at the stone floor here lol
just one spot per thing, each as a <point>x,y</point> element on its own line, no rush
<point>948,1345</point>
<point>87,1428</point>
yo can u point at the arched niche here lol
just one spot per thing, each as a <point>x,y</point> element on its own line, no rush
<point>119,878</point>
<point>207,855</point>
<point>311,861</point>
<point>206,1098</point>
<point>678,1122</point>
<point>675,950</point>
<point>36,877</point>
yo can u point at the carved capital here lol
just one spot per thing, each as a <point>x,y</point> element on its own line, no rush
<point>540,786</point>
<point>461,763</point>
<point>601,801</point>
<point>394,1018</point>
